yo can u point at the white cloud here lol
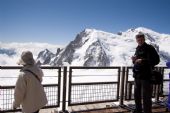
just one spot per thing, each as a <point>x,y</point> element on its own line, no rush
<point>35,48</point>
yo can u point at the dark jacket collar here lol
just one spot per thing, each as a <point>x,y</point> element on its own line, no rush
<point>143,45</point>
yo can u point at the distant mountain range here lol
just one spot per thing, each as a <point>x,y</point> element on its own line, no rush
<point>8,52</point>
<point>93,47</point>
<point>98,48</point>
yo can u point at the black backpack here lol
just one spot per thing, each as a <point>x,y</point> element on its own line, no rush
<point>153,55</point>
<point>156,78</point>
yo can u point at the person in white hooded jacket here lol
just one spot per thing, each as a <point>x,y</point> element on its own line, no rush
<point>29,91</point>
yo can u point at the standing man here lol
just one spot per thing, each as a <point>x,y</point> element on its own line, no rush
<point>144,60</point>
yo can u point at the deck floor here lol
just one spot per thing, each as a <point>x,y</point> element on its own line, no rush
<point>162,110</point>
<point>108,108</point>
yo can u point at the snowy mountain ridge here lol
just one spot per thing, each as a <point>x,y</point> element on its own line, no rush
<point>93,47</point>
<point>98,48</point>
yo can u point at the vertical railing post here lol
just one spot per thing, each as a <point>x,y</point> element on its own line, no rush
<point>157,89</point>
<point>69,86</point>
<point>59,85</point>
<point>162,85</point>
<point>122,86</point>
<point>64,89</point>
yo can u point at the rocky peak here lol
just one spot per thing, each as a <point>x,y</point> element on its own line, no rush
<point>45,56</point>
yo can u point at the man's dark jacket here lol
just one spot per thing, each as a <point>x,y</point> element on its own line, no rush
<point>144,69</point>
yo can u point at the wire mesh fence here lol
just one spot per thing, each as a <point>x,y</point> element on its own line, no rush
<point>97,88</point>
<point>158,90</point>
<point>9,75</point>
<point>93,93</point>
<point>7,97</point>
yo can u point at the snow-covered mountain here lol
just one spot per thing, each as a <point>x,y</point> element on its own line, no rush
<point>8,52</point>
<point>98,48</point>
<point>46,56</point>
<point>91,47</point>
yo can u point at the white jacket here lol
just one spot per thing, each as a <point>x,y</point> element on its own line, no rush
<point>28,90</point>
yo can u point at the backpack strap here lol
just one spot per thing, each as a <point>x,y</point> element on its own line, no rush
<point>36,76</point>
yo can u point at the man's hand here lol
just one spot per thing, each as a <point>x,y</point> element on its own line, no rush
<point>133,58</point>
<point>138,61</point>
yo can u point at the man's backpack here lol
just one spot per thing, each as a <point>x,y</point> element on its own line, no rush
<point>154,56</point>
<point>156,78</point>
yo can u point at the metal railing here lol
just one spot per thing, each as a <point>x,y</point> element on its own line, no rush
<point>7,99</point>
<point>81,88</point>
<point>158,90</point>
<point>93,92</point>
<point>52,91</point>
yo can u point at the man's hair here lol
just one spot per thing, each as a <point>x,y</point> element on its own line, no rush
<point>140,35</point>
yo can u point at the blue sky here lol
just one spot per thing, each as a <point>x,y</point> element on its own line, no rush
<point>59,21</point>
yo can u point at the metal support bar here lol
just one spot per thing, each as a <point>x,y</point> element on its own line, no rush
<point>122,87</point>
<point>64,89</point>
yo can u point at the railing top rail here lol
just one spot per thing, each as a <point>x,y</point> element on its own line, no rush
<point>13,86</point>
<point>10,67</point>
<point>73,67</point>
<point>19,67</point>
<point>95,67</point>
<point>155,67</point>
<point>93,83</point>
